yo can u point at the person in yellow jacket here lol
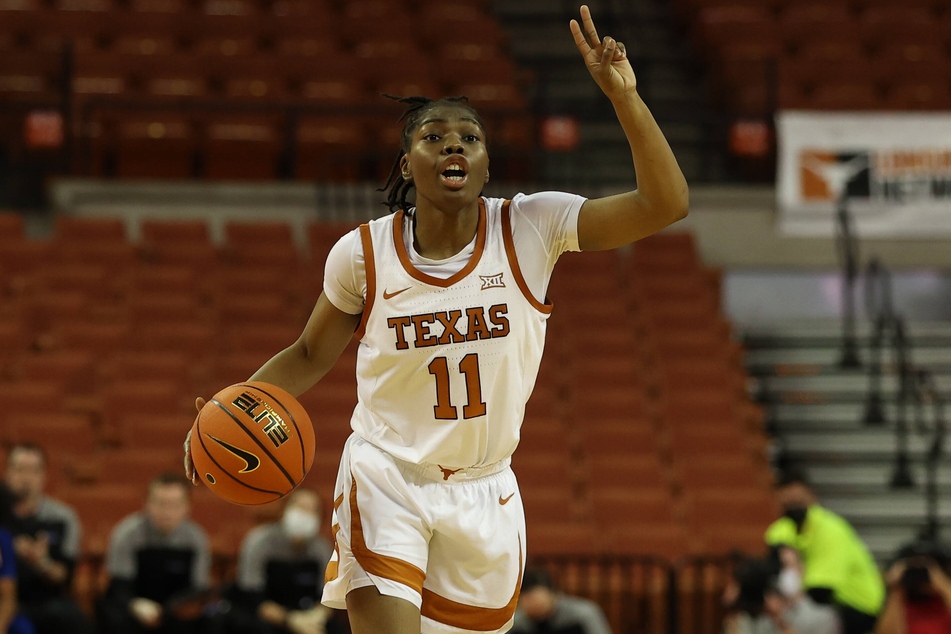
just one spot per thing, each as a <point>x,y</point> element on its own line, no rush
<point>837,567</point>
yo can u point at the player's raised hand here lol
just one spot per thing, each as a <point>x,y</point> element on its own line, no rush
<point>605,58</point>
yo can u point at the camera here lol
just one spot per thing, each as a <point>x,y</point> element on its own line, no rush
<point>918,556</point>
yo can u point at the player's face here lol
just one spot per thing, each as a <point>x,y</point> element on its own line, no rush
<point>167,506</point>
<point>447,159</point>
<point>26,474</point>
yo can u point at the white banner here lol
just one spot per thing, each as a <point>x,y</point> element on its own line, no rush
<point>894,169</point>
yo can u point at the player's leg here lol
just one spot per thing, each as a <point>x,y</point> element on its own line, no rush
<point>373,613</point>
<point>381,544</point>
<point>476,557</point>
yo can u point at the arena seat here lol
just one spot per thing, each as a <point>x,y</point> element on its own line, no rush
<point>156,145</point>
<point>329,148</point>
<point>242,148</point>
<point>80,229</point>
<point>54,431</point>
<point>192,232</point>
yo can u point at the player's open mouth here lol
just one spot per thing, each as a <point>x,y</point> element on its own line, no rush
<point>454,176</point>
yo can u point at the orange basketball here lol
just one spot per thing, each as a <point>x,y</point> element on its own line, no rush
<point>252,443</point>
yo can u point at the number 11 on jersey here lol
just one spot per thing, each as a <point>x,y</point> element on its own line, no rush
<point>469,366</point>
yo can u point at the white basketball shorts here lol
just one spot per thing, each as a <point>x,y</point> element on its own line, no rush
<point>450,542</point>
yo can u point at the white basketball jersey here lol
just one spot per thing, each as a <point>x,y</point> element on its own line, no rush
<point>445,366</point>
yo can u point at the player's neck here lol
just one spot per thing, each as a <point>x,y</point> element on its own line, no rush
<point>439,234</point>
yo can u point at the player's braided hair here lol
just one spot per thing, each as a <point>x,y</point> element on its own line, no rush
<point>396,187</point>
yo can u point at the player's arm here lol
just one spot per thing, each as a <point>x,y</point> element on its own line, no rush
<point>661,197</point>
<point>298,367</point>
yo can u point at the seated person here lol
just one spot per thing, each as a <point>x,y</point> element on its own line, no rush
<point>11,622</point>
<point>281,574</point>
<point>158,561</point>
<point>919,591</point>
<point>46,536</point>
<point>544,610</point>
<point>766,596</point>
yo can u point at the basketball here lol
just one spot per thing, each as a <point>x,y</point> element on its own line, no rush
<point>252,443</point>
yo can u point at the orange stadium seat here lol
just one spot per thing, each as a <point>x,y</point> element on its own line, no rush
<point>156,145</point>
<point>617,505</point>
<point>878,22</point>
<point>159,278</point>
<point>185,336</point>
<point>564,538</point>
<point>237,148</point>
<point>72,370</point>
<point>159,7</point>
<point>544,470</point>
<point>81,229</point>
<point>99,338</point>
<point>617,439</point>
<point>190,232</point>
<point>798,19</point>
<point>145,38</point>
<point>54,431</point>
<point>38,396</point>
<point>660,539</point>
<point>328,149</point>
<point>171,366</point>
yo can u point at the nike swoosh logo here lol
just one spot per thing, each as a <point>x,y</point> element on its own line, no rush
<point>251,462</point>
<point>503,501</point>
<point>387,295</point>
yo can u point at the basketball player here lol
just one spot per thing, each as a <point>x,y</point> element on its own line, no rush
<point>447,297</point>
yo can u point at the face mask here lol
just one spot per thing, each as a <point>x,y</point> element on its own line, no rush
<point>300,524</point>
<point>797,514</point>
<point>789,582</point>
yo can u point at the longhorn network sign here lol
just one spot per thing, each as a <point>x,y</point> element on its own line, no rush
<point>894,170</point>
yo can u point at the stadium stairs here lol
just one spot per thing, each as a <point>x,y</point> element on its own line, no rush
<point>668,78</point>
<point>816,411</point>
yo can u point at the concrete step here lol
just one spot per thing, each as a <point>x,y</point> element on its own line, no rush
<point>873,480</point>
<point>895,508</point>
<point>822,359</point>
<point>846,447</point>
<point>828,333</point>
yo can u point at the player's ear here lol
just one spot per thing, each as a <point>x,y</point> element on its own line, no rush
<point>404,169</point>
<point>487,176</point>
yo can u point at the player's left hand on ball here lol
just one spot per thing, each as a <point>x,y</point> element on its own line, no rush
<point>189,467</point>
<point>605,58</point>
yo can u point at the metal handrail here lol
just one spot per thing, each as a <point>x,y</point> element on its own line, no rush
<point>848,250</point>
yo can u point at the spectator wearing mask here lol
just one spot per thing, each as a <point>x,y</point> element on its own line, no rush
<point>11,621</point>
<point>158,562</point>
<point>46,538</point>
<point>281,570</point>
<point>766,597</point>
<point>838,569</point>
<point>544,610</point>
<point>919,591</point>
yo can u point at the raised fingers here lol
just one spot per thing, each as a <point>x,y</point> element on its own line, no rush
<point>580,40</point>
<point>588,28</point>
